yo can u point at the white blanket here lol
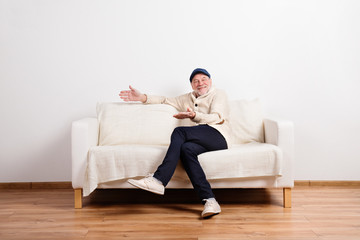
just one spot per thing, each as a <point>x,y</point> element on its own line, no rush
<point>110,163</point>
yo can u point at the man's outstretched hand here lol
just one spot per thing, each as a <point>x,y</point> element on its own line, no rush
<point>132,95</point>
<point>188,114</point>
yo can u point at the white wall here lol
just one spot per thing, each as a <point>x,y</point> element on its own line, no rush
<point>58,58</point>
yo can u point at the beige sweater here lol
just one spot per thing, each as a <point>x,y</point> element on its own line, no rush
<point>211,108</point>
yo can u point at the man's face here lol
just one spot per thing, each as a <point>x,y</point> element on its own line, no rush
<point>201,84</point>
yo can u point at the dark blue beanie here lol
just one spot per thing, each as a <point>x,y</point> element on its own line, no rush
<point>199,70</point>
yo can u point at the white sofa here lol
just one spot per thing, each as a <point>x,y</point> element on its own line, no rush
<point>129,140</point>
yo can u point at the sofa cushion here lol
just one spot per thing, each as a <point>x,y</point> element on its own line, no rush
<point>244,160</point>
<point>246,121</point>
<point>110,163</point>
<point>132,123</point>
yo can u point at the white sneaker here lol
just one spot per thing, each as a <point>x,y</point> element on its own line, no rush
<point>211,208</point>
<point>150,184</point>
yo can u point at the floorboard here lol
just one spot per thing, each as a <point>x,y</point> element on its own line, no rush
<point>318,212</point>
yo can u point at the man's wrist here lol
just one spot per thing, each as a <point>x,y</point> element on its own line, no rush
<point>144,98</point>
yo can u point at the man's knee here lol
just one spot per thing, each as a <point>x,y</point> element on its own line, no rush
<point>177,130</point>
<point>191,150</point>
<point>187,148</point>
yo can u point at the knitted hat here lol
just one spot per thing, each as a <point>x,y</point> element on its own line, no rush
<point>199,70</point>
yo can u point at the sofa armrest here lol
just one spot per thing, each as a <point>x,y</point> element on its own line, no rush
<point>84,134</point>
<point>281,134</point>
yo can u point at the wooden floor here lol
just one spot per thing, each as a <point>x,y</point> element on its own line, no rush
<point>316,213</point>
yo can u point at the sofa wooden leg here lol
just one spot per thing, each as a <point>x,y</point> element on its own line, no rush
<point>78,198</point>
<point>287,197</point>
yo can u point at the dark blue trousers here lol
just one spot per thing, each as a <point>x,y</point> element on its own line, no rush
<point>186,144</point>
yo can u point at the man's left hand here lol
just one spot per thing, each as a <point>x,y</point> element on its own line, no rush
<point>188,114</point>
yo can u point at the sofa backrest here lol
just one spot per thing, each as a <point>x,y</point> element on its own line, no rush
<point>134,123</point>
<point>246,120</point>
<point>152,124</point>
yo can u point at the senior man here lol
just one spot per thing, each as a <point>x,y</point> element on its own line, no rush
<point>208,109</point>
